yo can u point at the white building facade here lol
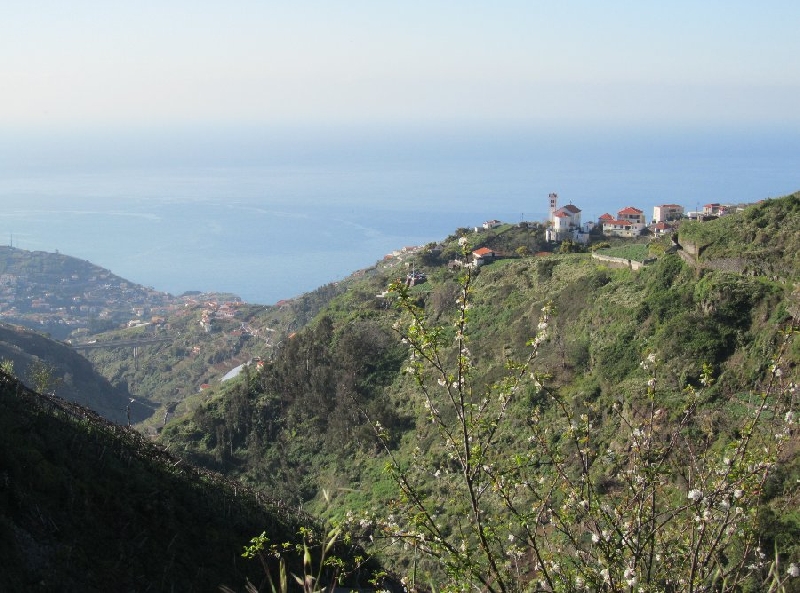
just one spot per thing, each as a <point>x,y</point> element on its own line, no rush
<point>667,213</point>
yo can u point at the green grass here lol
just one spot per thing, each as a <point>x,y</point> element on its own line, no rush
<point>606,320</point>
<point>636,252</point>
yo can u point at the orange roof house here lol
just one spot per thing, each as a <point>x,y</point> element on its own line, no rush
<point>482,256</point>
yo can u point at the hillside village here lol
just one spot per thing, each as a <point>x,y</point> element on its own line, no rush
<point>292,426</point>
<point>565,222</point>
<point>67,297</point>
<point>565,229</point>
<point>70,297</point>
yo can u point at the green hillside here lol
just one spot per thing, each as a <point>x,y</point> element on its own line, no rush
<point>713,334</point>
<point>195,347</point>
<point>86,505</point>
<point>63,295</point>
<point>70,375</point>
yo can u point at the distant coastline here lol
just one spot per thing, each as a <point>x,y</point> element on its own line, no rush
<point>268,224</point>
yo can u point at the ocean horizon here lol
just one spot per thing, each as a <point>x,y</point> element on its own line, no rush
<point>270,214</point>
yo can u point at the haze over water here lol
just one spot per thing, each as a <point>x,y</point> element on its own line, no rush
<point>268,213</point>
<point>266,148</point>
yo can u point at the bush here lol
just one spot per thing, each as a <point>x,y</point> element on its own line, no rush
<point>644,505</point>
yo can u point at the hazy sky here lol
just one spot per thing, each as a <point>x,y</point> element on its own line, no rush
<point>85,63</point>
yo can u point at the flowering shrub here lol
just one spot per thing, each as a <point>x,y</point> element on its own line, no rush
<point>647,503</point>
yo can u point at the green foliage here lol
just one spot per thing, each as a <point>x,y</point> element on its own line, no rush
<point>7,366</point>
<point>761,239</point>
<point>306,408</point>
<point>42,376</point>
<point>86,505</point>
<point>569,246</point>
<point>332,571</point>
<point>303,428</point>
<point>652,508</point>
<point>633,251</point>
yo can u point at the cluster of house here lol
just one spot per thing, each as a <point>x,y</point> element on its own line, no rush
<point>565,222</point>
<point>66,302</point>
<point>214,310</point>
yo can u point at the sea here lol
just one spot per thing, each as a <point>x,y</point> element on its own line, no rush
<point>270,212</point>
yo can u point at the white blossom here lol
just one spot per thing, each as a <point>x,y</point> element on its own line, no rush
<point>793,570</point>
<point>695,495</point>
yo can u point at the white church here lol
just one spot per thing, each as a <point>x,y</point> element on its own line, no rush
<point>565,223</point>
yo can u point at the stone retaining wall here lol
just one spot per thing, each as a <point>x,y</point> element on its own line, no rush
<point>619,262</point>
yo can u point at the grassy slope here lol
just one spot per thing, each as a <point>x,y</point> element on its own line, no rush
<point>87,506</point>
<point>74,378</point>
<point>298,423</point>
<point>764,238</point>
<point>168,375</point>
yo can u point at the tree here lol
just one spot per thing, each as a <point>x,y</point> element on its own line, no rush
<point>42,376</point>
<point>557,504</point>
<point>7,366</point>
<point>569,246</point>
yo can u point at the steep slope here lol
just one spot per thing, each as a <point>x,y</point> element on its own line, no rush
<point>60,294</point>
<point>305,423</point>
<point>196,346</point>
<point>89,506</point>
<point>152,347</point>
<point>68,373</point>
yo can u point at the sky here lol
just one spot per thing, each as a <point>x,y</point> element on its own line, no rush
<point>88,64</point>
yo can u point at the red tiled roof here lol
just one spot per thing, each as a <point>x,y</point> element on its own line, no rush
<point>482,251</point>
<point>629,210</point>
<point>606,216</point>
<point>571,208</point>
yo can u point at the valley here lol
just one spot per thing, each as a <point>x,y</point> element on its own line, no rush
<point>586,384</point>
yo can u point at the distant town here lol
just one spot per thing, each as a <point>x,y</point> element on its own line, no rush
<point>565,222</point>
<point>58,295</point>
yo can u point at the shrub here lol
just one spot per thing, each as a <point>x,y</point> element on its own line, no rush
<point>647,505</point>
